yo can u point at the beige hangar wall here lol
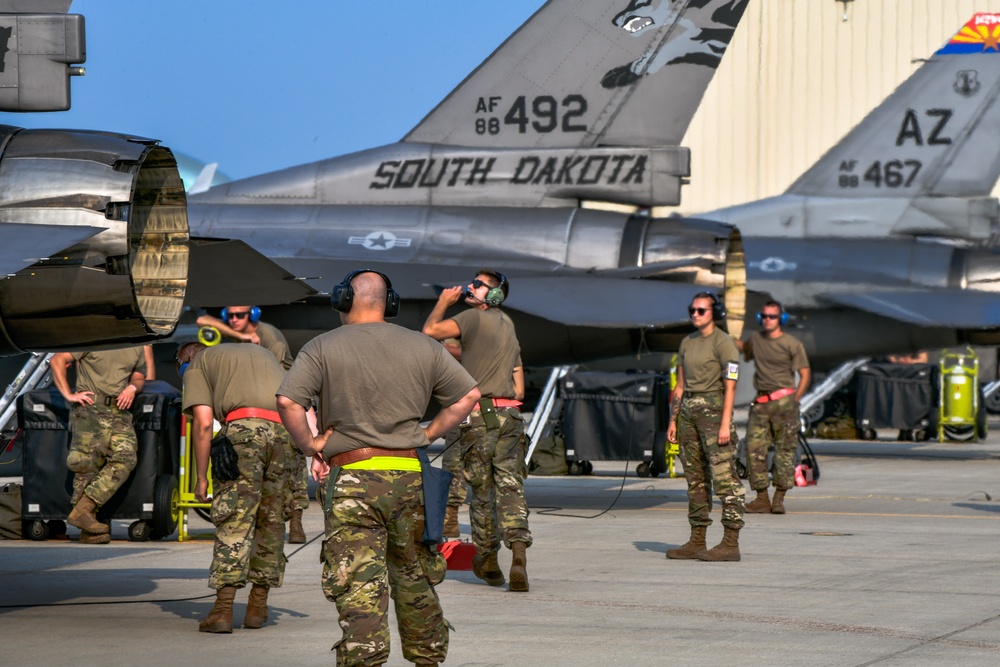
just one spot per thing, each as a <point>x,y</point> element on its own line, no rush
<point>795,79</point>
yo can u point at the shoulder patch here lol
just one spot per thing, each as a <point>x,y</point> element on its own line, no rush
<point>732,371</point>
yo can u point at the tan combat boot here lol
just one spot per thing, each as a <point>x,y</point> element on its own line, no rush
<point>761,504</point>
<point>488,569</point>
<point>94,538</point>
<point>726,550</point>
<point>694,547</point>
<point>778,504</point>
<point>295,533</point>
<point>84,517</point>
<point>518,567</point>
<point>220,619</point>
<point>256,615</point>
<point>451,522</point>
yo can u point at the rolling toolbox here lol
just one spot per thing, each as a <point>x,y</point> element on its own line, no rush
<point>616,417</point>
<point>149,494</point>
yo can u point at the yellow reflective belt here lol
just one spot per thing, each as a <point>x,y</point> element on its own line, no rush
<point>386,463</point>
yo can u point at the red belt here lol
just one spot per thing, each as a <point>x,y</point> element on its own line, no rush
<point>253,413</point>
<point>365,453</point>
<point>506,403</point>
<point>774,395</point>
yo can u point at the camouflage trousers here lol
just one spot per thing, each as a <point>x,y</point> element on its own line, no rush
<point>706,462</point>
<point>777,422</point>
<point>102,453</point>
<point>296,493</point>
<point>374,520</point>
<point>247,512</point>
<point>493,464</point>
<point>451,460</point>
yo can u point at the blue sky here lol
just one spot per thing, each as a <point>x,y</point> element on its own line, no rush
<point>260,85</point>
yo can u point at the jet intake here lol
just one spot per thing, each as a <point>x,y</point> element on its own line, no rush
<point>102,220</point>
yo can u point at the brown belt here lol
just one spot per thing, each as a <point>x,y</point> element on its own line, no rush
<point>365,453</point>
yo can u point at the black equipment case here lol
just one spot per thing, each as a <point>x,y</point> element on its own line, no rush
<point>149,494</point>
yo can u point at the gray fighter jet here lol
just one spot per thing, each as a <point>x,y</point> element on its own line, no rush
<point>888,244</point>
<point>586,102</point>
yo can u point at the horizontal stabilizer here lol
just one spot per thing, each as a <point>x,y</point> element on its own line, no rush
<point>24,243</point>
<point>955,308</point>
<point>590,301</point>
<point>227,272</point>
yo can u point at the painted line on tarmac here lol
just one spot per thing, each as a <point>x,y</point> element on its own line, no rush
<point>804,624</point>
<point>872,514</point>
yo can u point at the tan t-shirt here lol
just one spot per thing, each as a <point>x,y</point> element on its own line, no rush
<point>108,371</point>
<point>228,377</point>
<point>272,339</point>
<point>374,382</point>
<point>490,351</point>
<point>777,360</point>
<point>707,360</point>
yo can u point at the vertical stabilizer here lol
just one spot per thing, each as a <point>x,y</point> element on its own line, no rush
<point>590,73</point>
<point>936,135</point>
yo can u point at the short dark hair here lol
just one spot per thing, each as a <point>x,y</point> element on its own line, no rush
<point>497,277</point>
<point>774,304</point>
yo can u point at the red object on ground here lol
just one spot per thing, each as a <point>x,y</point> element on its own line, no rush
<point>458,554</point>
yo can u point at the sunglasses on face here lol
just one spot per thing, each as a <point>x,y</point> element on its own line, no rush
<point>769,316</point>
<point>238,316</point>
<point>697,311</point>
<point>477,283</point>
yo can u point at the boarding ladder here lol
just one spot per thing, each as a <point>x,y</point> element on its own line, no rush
<point>547,411</point>
<point>991,396</point>
<point>811,405</point>
<point>35,374</point>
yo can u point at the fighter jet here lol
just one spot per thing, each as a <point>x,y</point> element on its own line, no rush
<point>586,102</point>
<point>888,244</point>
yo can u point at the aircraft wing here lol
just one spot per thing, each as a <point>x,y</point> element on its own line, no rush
<point>958,308</point>
<point>227,271</point>
<point>588,300</point>
<point>26,243</point>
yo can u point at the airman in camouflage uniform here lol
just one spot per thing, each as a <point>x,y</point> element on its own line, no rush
<point>235,385</point>
<point>373,381</point>
<point>243,323</point>
<point>701,423</point>
<point>774,414</point>
<point>103,451</point>
<point>492,440</point>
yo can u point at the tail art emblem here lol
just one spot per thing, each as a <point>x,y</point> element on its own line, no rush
<point>980,35</point>
<point>694,45</point>
<point>967,82</point>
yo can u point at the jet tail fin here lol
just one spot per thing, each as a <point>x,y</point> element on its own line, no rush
<point>934,136</point>
<point>585,73</point>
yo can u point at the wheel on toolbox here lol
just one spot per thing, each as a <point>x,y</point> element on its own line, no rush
<point>166,514</point>
<point>575,468</point>
<point>138,531</point>
<point>642,470</point>
<point>588,467</point>
<point>57,528</point>
<point>36,530</point>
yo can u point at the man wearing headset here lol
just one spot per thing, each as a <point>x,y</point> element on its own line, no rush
<point>774,414</point>
<point>235,385</point>
<point>492,441</point>
<point>243,323</point>
<point>373,381</point>
<point>701,422</point>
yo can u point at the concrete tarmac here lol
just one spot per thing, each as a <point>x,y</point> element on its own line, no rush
<point>890,560</point>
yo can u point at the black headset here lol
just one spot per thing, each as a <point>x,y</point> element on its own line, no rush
<point>718,308</point>
<point>254,314</point>
<point>782,321</point>
<point>496,296</point>
<point>342,296</point>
